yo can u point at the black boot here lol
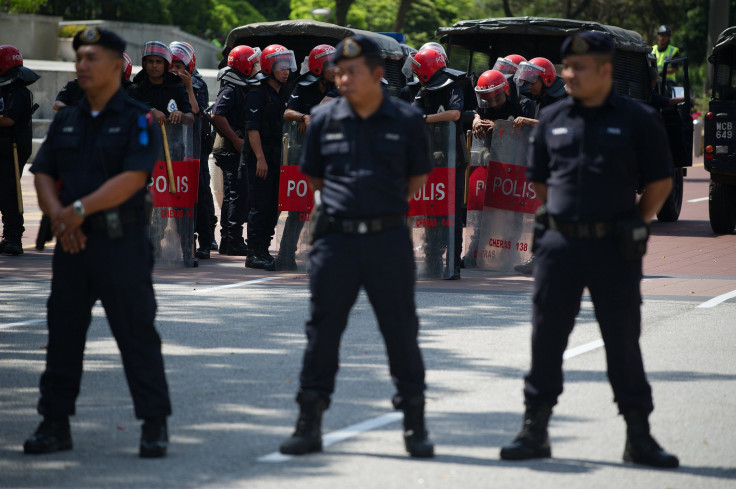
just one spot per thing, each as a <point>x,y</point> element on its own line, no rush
<point>52,435</point>
<point>533,439</point>
<point>641,447</point>
<point>269,264</point>
<point>13,248</point>
<point>235,248</point>
<point>416,436</point>
<point>154,438</point>
<point>254,260</point>
<point>307,437</point>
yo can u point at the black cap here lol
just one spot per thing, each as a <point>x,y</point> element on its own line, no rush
<point>356,46</point>
<point>99,37</point>
<point>586,42</point>
<point>664,29</point>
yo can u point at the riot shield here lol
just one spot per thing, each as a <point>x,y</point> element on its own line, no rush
<point>509,203</point>
<point>480,155</point>
<point>295,204</point>
<point>431,216</point>
<point>173,187</point>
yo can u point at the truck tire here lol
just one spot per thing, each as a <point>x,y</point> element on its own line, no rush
<point>721,200</point>
<point>670,211</point>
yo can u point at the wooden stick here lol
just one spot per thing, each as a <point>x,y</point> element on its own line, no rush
<point>17,178</point>
<point>167,155</point>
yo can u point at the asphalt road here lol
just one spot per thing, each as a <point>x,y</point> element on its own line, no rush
<point>233,354</point>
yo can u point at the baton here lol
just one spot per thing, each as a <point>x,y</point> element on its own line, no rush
<point>17,177</point>
<point>167,155</point>
<point>468,143</point>
<point>285,149</point>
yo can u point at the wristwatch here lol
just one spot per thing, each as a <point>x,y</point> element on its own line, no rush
<point>79,208</point>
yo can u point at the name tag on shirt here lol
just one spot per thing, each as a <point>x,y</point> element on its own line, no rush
<point>392,136</point>
<point>560,131</point>
<point>616,131</point>
<point>334,136</point>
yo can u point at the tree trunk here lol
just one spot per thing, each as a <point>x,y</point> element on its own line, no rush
<point>341,11</point>
<point>404,7</point>
<point>507,9</point>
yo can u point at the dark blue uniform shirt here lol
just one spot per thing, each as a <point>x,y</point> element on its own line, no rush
<point>71,93</point>
<point>158,96</point>
<point>85,151</point>
<point>521,107</point>
<point>594,159</point>
<point>366,163</point>
<point>264,112</point>
<point>305,96</point>
<point>230,104</point>
<point>15,103</point>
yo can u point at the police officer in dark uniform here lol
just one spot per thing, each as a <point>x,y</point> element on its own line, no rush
<point>228,116</point>
<point>156,86</point>
<point>103,150</point>
<point>495,101</point>
<point>183,65</point>
<point>312,88</point>
<point>16,109</point>
<point>367,155</point>
<point>441,99</point>
<point>264,117</point>
<point>539,77</point>
<point>588,155</point>
<point>72,94</point>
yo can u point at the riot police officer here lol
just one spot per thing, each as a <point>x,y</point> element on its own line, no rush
<point>495,102</point>
<point>367,155</point>
<point>228,116</point>
<point>264,116</point>
<point>160,89</point>
<point>588,155</point>
<point>312,88</point>
<point>103,150</point>
<point>538,75</point>
<point>71,94</point>
<point>16,109</point>
<point>183,64</point>
<point>441,99</point>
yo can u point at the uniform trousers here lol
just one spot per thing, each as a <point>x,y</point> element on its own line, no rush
<point>383,264</point>
<point>11,216</point>
<point>206,219</point>
<point>563,268</point>
<point>118,273</point>
<point>235,199</point>
<point>264,194</point>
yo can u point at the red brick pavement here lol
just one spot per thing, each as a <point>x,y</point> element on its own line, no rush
<point>685,258</point>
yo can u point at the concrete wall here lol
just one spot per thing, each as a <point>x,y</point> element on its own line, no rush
<point>136,35</point>
<point>34,35</point>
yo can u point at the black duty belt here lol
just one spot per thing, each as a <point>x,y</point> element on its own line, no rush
<point>365,226</point>
<point>98,220</point>
<point>589,229</point>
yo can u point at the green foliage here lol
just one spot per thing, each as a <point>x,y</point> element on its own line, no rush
<point>21,6</point>
<point>146,11</point>
<point>228,14</point>
<point>70,30</point>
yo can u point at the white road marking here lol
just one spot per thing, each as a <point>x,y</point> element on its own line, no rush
<point>717,300</point>
<point>22,323</point>
<point>701,199</point>
<point>579,350</point>
<point>239,284</point>
<point>341,435</point>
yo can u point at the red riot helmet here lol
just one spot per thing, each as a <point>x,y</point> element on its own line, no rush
<point>273,53</point>
<point>318,56</point>
<point>535,68</point>
<point>491,84</point>
<point>424,63</point>
<point>509,64</point>
<point>127,67</point>
<point>10,57</point>
<point>243,58</point>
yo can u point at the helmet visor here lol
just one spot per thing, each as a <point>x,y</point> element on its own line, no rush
<point>282,59</point>
<point>408,68</point>
<point>505,66</point>
<point>527,73</point>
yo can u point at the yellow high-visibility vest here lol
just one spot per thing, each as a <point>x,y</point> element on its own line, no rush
<point>663,56</point>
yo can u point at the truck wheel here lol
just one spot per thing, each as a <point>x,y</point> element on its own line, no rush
<point>721,200</point>
<point>670,211</point>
